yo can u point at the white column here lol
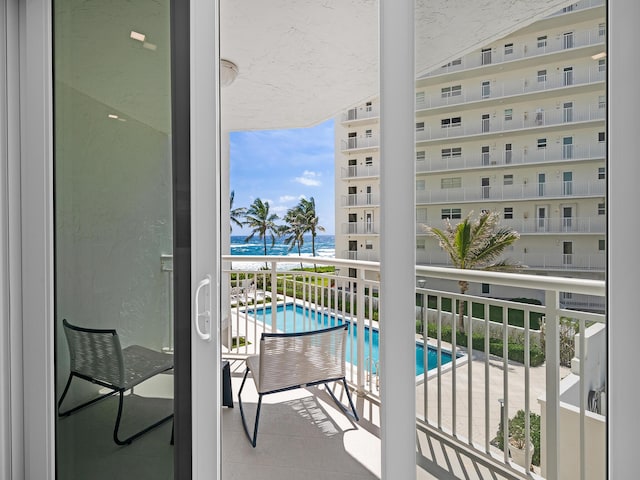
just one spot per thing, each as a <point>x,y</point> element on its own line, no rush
<point>397,239</point>
<point>623,174</point>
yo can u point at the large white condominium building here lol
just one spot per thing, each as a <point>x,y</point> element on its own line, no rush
<point>517,127</point>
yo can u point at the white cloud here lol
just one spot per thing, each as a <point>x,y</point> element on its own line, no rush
<point>287,198</point>
<point>309,178</point>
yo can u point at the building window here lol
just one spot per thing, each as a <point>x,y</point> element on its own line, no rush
<point>368,133</point>
<point>602,29</point>
<point>601,173</point>
<point>508,49</point>
<point>451,213</point>
<point>602,101</point>
<point>419,126</point>
<point>542,143</point>
<point>454,91</point>
<point>485,288</point>
<point>420,98</point>
<point>508,213</point>
<point>457,61</point>
<point>420,156</point>
<point>454,152</point>
<point>542,76</point>
<point>508,179</point>
<point>508,114</point>
<point>420,244</point>
<point>451,122</point>
<point>368,161</point>
<point>542,41</point>
<point>602,210</point>
<point>451,182</point>
<point>420,185</point>
<point>368,245</point>
<point>486,56</point>
<point>601,245</point>
<point>601,137</point>
<point>368,106</point>
<point>602,65</point>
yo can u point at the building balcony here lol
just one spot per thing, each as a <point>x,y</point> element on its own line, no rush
<point>524,86</point>
<point>360,200</point>
<point>588,225</point>
<point>529,120</point>
<point>360,228</point>
<point>362,255</point>
<point>360,171</point>
<point>553,44</point>
<point>525,156</point>
<point>556,262</point>
<point>523,191</point>
<point>461,400</point>
<point>361,114</point>
<point>360,143</point>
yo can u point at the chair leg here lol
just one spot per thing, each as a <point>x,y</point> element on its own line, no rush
<point>253,440</point>
<point>128,440</point>
<point>335,399</point>
<point>81,406</point>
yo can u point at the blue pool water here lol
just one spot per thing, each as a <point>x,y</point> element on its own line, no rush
<point>295,318</point>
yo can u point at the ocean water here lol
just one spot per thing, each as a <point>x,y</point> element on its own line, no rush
<point>325,248</point>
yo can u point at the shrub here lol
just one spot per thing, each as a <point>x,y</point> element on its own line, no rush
<point>496,346</point>
<point>517,430</point>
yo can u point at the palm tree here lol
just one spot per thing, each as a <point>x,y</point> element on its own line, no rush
<point>293,230</point>
<point>310,220</point>
<point>476,244</point>
<point>262,223</point>
<point>236,214</point>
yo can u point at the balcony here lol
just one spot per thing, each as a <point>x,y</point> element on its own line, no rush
<point>360,200</point>
<point>367,112</point>
<point>460,404</point>
<point>360,228</point>
<point>596,225</point>
<point>501,90</point>
<point>360,143</point>
<point>553,44</point>
<point>535,119</point>
<point>550,154</point>
<point>556,262</point>
<point>523,191</point>
<point>360,171</point>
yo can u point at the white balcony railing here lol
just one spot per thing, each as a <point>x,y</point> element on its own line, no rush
<point>360,143</point>
<point>553,44</point>
<point>557,262</point>
<point>360,228</point>
<point>360,171</point>
<point>523,191</point>
<point>577,77</point>
<point>361,113</point>
<point>581,5</point>
<point>553,153</point>
<point>458,398</point>
<point>534,119</point>
<point>595,224</point>
<point>360,200</point>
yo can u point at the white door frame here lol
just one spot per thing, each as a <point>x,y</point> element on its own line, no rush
<point>34,323</point>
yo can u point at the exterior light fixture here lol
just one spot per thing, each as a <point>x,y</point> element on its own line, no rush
<point>228,72</point>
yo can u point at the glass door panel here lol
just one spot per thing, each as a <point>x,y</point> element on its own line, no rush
<point>113,218</point>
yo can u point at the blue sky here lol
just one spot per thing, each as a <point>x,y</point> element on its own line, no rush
<point>280,166</point>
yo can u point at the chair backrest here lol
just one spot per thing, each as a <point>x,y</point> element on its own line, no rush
<point>95,354</point>
<point>291,359</point>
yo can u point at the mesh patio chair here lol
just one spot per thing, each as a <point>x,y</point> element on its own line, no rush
<point>295,360</point>
<point>97,357</point>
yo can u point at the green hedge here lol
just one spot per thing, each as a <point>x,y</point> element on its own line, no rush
<point>515,350</point>
<point>515,316</point>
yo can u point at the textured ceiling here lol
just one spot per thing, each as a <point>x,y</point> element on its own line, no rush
<point>300,62</point>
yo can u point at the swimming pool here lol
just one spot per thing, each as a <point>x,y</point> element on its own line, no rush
<point>295,318</point>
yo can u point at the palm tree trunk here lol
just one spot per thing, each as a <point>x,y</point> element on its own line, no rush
<point>464,286</point>
<point>264,241</point>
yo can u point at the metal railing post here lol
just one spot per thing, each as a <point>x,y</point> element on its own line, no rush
<point>552,360</point>
<point>360,288</point>
<point>274,296</point>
